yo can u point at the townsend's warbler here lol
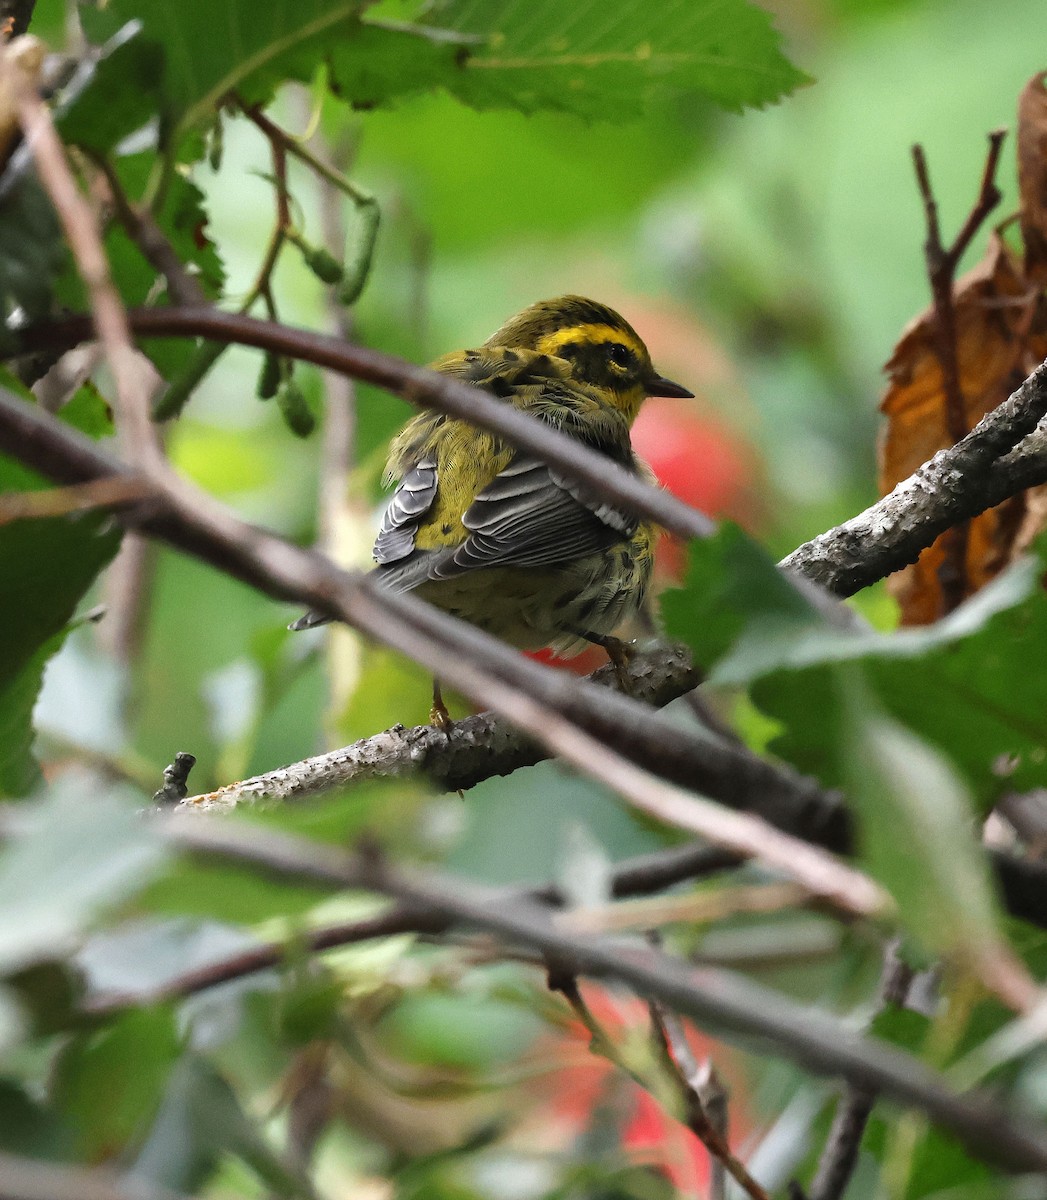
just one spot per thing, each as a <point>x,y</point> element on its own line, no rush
<point>495,536</point>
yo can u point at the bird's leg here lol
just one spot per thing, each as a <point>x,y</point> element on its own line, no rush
<point>620,653</point>
<point>438,714</point>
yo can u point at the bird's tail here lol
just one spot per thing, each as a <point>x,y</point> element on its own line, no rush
<point>309,620</point>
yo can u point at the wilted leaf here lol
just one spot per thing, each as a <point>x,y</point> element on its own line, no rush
<point>1032,175</point>
<point>999,340</point>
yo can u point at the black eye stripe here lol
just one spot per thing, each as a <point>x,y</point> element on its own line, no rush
<point>620,355</point>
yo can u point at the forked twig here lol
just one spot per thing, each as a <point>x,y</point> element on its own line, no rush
<point>942,263</point>
<point>705,1103</point>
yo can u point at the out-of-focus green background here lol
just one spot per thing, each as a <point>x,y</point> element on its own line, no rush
<point>771,260</point>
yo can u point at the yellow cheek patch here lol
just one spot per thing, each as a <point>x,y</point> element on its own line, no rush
<point>590,335</point>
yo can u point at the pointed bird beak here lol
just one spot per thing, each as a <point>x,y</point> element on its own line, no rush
<point>658,385</point>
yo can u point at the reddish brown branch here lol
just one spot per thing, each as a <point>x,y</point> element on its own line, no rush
<point>942,264</point>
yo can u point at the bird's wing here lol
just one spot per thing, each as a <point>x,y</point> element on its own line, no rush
<point>407,507</point>
<point>526,517</point>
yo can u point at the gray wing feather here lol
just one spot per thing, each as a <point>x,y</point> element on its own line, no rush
<point>409,504</point>
<point>526,517</point>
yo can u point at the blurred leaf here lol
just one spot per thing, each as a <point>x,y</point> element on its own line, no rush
<point>147,955</point>
<point>109,1083</point>
<point>916,831</point>
<point>608,60</point>
<point>85,848</point>
<point>963,685</point>
<point>459,1029</point>
<point>30,1128</point>
<point>226,894</point>
<point>733,588</point>
<point>200,1122</point>
<point>49,565</point>
<point>49,994</point>
<point>998,340</point>
<point>32,252</point>
<point>113,93</point>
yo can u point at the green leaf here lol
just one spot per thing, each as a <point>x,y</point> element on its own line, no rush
<point>200,1122</point>
<point>733,588</point>
<point>964,685</point>
<point>28,1128</point>
<point>916,829</point>
<point>599,59</point>
<point>214,47</point>
<point>49,565</point>
<point>84,849</point>
<point>32,252</point>
<point>109,1083</point>
<point>112,93</point>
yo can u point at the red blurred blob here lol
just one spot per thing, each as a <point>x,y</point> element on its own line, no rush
<point>702,461</point>
<point>567,1097</point>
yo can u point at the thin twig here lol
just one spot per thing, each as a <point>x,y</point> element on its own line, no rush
<point>840,1156</point>
<point>705,1104</point>
<point>979,472</point>
<point>157,250</point>
<point>737,1006</point>
<point>883,539</point>
<point>942,264</point>
<point>633,877</point>
<point>114,492</point>
<point>473,661</point>
<point>203,529</point>
<point>108,315</point>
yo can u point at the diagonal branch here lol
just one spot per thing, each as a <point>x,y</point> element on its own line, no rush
<point>729,1003</point>
<point>957,483</point>
<point>979,472</point>
<point>470,660</point>
<point>201,528</point>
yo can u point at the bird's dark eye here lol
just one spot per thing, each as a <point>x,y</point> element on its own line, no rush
<point>620,355</point>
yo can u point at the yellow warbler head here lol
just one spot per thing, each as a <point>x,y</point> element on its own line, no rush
<point>602,347</point>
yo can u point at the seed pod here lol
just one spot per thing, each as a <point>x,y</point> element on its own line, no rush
<point>323,265</point>
<point>295,410</point>
<point>273,370</point>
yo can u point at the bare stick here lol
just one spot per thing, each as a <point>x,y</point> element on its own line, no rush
<point>941,271</point>
<point>958,482</point>
<point>840,1156</point>
<point>705,1104</point>
<point>818,1042</point>
<point>85,241</point>
<point>473,661</point>
<point>114,492</point>
<point>962,481</point>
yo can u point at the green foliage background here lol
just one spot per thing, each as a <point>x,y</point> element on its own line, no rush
<point>596,147</point>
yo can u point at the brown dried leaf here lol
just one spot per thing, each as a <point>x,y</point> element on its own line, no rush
<point>1032,175</point>
<point>1001,333</point>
